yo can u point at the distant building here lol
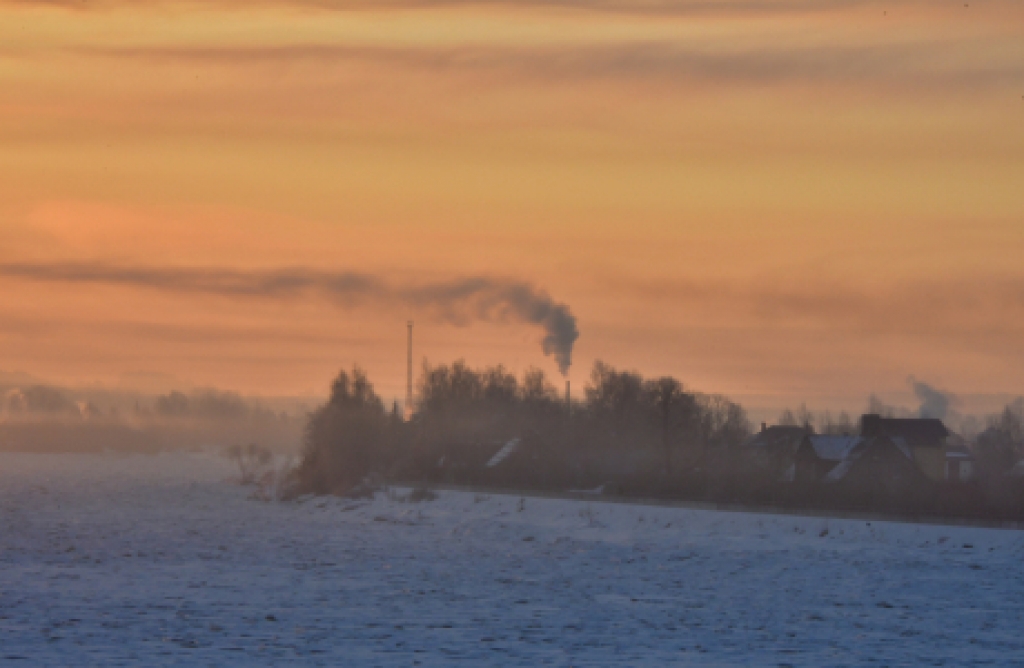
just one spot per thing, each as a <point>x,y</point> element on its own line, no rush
<point>773,449</point>
<point>888,452</point>
<point>959,464</point>
<point>820,456</point>
<point>927,439</point>
<point>873,464</point>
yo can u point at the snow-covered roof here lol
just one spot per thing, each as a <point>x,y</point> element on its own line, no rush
<point>503,454</point>
<point>835,448</point>
<point>901,443</point>
<point>840,471</point>
<point>845,450</point>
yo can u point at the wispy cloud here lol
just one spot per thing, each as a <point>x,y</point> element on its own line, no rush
<point>984,309</point>
<point>656,7</point>
<point>936,64</point>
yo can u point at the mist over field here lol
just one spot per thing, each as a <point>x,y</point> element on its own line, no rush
<point>40,417</point>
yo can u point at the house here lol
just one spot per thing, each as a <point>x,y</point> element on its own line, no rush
<point>873,464</point>
<point>820,455</point>
<point>890,451</point>
<point>773,449</point>
<point>927,439</point>
<point>898,443</point>
<point>959,464</point>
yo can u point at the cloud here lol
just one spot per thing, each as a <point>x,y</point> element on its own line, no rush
<point>458,301</point>
<point>935,64</point>
<point>643,7</point>
<point>902,321</point>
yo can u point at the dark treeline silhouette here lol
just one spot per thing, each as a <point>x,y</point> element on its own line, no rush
<point>1001,445</point>
<point>623,434</point>
<point>625,431</point>
<point>349,438</point>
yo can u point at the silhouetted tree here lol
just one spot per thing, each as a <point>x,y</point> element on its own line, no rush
<point>676,410</point>
<point>1001,445</point>
<point>175,404</point>
<point>346,439</point>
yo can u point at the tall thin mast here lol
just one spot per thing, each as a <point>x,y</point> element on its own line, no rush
<point>408,379</point>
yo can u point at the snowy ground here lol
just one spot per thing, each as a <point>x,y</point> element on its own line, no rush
<point>154,561</point>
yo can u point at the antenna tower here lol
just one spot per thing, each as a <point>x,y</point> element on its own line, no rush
<point>408,378</point>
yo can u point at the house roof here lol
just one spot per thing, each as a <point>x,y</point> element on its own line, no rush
<point>777,436</point>
<point>849,449</point>
<point>840,471</point>
<point>835,448</point>
<point>503,454</point>
<point>913,431</point>
<point>904,447</point>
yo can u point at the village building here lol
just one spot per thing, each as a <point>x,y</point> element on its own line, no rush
<point>959,464</point>
<point>773,449</point>
<point>888,452</point>
<point>877,464</point>
<point>820,456</point>
<point>927,440</point>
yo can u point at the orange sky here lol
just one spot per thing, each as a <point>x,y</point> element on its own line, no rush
<point>785,200</point>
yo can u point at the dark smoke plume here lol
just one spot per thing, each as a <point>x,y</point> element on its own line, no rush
<point>934,402</point>
<point>457,301</point>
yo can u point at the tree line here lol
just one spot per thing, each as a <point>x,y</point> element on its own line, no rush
<point>623,434</point>
<point>622,423</point>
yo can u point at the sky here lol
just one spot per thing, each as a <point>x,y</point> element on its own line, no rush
<point>781,200</point>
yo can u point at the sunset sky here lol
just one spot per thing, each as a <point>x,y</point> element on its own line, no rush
<point>780,200</point>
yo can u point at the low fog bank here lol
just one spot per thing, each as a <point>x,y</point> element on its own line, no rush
<point>38,417</point>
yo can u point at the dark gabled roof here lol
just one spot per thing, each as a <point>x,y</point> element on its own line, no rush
<point>779,435</point>
<point>913,431</point>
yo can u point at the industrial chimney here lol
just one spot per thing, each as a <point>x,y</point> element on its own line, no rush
<point>568,399</point>
<point>408,378</point>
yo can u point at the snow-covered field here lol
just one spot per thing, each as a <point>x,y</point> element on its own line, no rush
<point>152,561</point>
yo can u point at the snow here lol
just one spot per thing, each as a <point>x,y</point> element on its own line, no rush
<point>835,448</point>
<point>503,454</point>
<point>901,443</point>
<point>159,561</point>
<point>840,471</point>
